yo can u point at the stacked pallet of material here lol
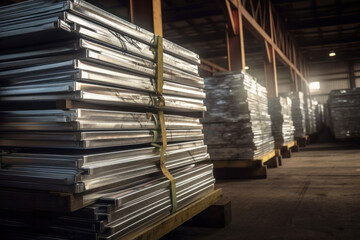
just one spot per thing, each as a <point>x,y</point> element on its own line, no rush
<point>320,117</point>
<point>314,106</point>
<point>101,71</point>
<point>298,113</point>
<point>308,113</point>
<point>344,106</point>
<point>237,125</point>
<point>281,120</point>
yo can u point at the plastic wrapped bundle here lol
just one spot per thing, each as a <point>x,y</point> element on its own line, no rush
<point>344,108</point>
<point>281,121</point>
<point>80,117</point>
<point>298,113</point>
<point>237,124</point>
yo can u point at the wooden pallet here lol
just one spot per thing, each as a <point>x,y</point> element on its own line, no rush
<point>287,149</point>
<point>166,225</point>
<point>302,142</point>
<point>238,169</point>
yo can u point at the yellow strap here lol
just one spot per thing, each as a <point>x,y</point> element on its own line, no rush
<point>161,103</point>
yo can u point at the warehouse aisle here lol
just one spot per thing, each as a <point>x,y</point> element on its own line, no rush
<point>314,195</point>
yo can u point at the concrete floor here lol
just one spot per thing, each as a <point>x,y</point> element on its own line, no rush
<point>314,195</point>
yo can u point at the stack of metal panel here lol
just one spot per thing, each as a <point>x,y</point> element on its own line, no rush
<point>102,71</point>
<point>320,116</point>
<point>237,124</point>
<point>314,106</point>
<point>282,125</point>
<point>310,120</point>
<point>344,106</point>
<point>298,113</point>
<point>116,213</point>
<point>307,115</point>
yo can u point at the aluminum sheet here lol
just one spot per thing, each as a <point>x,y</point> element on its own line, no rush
<point>87,119</point>
<point>79,173</point>
<point>95,94</point>
<point>89,62</point>
<point>281,121</point>
<point>237,125</point>
<point>120,211</point>
<point>14,15</point>
<point>98,139</point>
<point>298,113</point>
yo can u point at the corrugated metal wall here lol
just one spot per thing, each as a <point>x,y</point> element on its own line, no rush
<point>332,76</point>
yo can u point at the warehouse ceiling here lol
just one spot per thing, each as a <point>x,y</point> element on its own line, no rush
<point>317,26</point>
<point>321,26</point>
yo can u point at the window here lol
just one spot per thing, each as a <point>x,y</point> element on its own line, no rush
<point>314,86</point>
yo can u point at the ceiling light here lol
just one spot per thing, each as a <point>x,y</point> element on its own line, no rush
<point>246,67</point>
<point>332,54</point>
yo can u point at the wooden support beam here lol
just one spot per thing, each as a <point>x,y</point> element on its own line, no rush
<point>235,29</point>
<point>271,84</point>
<point>268,52</point>
<point>241,33</point>
<point>157,17</point>
<point>254,27</point>
<point>270,72</point>
<point>213,65</point>
<point>294,81</point>
<point>233,48</point>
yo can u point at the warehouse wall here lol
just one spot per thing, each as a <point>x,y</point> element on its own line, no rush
<point>331,75</point>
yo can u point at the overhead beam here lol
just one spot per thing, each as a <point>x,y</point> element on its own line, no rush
<point>157,17</point>
<point>241,34</point>
<point>251,23</point>
<point>213,65</point>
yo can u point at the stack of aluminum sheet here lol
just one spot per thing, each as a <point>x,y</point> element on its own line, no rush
<point>319,115</point>
<point>282,125</point>
<point>298,113</point>
<point>314,104</point>
<point>308,115</point>
<point>237,124</point>
<point>115,213</point>
<point>101,70</point>
<point>85,128</point>
<point>79,171</point>
<point>344,106</point>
